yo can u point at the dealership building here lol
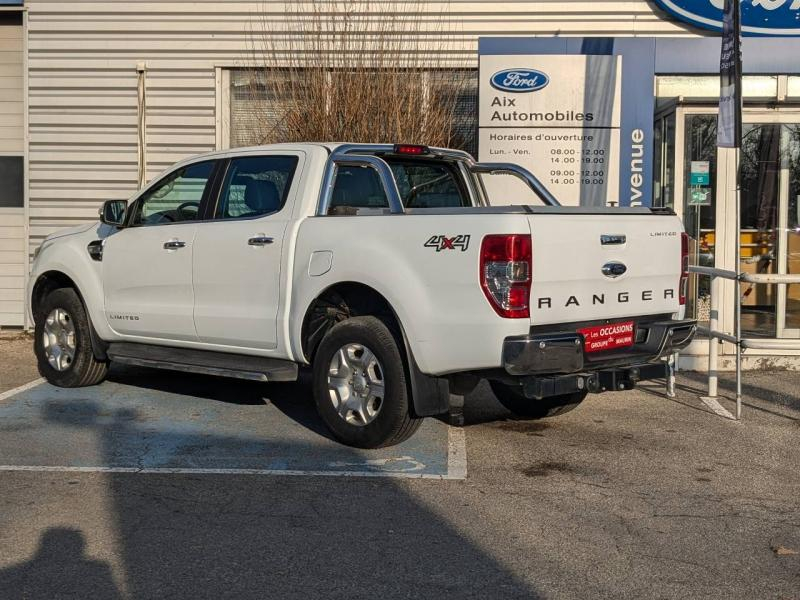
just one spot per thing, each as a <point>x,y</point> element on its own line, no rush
<point>98,96</point>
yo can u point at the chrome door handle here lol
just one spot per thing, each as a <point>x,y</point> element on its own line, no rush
<point>260,240</point>
<point>174,245</point>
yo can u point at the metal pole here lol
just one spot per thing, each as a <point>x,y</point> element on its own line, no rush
<point>738,303</point>
<point>141,123</point>
<point>671,375</point>
<point>737,30</point>
<point>713,343</point>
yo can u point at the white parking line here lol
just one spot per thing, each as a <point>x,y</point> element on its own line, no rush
<point>189,471</point>
<point>718,409</point>
<point>20,389</point>
<point>456,461</point>
<point>456,453</point>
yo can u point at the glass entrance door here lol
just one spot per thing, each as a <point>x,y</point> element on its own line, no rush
<point>770,211</point>
<point>698,204</point>
<point>770,236</point>
<point>789,228</point>
<point>760,205</point>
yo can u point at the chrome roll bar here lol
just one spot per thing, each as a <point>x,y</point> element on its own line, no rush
<point>338,159</point>
<point>521,173</point>
<point>389,148</point>
<point>364,155</point>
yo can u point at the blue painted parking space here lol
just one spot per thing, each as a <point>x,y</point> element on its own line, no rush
<point>158,421</point>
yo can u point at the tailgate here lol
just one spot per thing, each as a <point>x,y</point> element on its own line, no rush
<point>589,267</point>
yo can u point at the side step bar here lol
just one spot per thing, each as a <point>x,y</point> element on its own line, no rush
<point>253,368</point>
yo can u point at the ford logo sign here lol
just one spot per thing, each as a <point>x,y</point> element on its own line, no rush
<point>519,80</point>
<point>759,17</point>
<point>614,269</point>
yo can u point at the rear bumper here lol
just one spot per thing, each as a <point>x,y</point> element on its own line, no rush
<point>562,352</point>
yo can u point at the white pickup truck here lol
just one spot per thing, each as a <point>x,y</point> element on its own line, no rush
<point>383,267</point>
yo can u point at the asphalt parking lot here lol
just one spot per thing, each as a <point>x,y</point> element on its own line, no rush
<point>169,485</point>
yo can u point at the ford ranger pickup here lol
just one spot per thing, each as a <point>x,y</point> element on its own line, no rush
<point>384,268</point>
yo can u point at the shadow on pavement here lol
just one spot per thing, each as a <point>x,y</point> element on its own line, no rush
<point>481,407</point>
<point>764,397</point>
<point>201,386</point>
<point>293,399</point>
<point>238,536</point>
<point>59,569</point>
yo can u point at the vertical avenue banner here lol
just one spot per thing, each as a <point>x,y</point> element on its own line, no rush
<point>729,127</point>
<point>559,117</point>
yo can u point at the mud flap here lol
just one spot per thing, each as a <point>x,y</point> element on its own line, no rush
<point>430,395</point>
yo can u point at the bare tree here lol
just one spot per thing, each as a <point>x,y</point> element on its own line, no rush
<point>372,71</point>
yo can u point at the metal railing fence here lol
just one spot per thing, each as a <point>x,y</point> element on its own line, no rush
<point>713,332</point>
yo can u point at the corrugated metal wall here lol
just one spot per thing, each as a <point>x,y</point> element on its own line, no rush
<point>12,143</point>
<point>12,120</point>
<point>82,68</point>
<point>12,266</point>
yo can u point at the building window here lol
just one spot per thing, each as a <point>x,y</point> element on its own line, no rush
<point>257,109</point>
<point>11,182</point>
<point>465,117</point>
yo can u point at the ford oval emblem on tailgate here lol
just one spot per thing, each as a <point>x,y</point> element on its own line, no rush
<point>614,269</point>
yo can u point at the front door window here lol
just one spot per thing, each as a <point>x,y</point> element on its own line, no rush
<point>176,198</point>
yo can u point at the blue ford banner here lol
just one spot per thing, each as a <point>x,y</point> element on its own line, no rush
<point>729,125</point>
<point>759,17</point>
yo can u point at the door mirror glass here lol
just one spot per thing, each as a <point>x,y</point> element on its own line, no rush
<point>113,212</point>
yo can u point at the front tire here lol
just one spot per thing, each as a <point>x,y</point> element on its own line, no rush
<point>360,385</point>
<point>62,342</point>
<point>515,401</point>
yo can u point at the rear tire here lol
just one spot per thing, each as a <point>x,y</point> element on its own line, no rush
<point>360,385</point>
<point>62,342</point>
<point>514,400</point>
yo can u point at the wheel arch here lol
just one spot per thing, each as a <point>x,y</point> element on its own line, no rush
<point>340,301</point>
<point>345,299</point>
<point>52,280</point>
<point>48,282</point>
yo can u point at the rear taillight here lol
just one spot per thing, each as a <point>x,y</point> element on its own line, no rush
<point>506,268</point>
<point>684,282</point>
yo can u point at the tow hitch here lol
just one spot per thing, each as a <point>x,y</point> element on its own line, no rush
<point>609,380</point>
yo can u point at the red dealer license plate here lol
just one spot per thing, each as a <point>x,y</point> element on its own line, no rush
<point>607,337</point>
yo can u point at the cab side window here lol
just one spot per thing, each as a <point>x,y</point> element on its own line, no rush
<point>175,198</point>
<point>255,186</point>
<point>427,184</point>
<point>358,187</point>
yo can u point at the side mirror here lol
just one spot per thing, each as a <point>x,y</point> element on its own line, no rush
<point>113,212</point>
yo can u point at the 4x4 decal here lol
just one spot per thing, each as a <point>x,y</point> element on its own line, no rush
<point>442,242</point>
